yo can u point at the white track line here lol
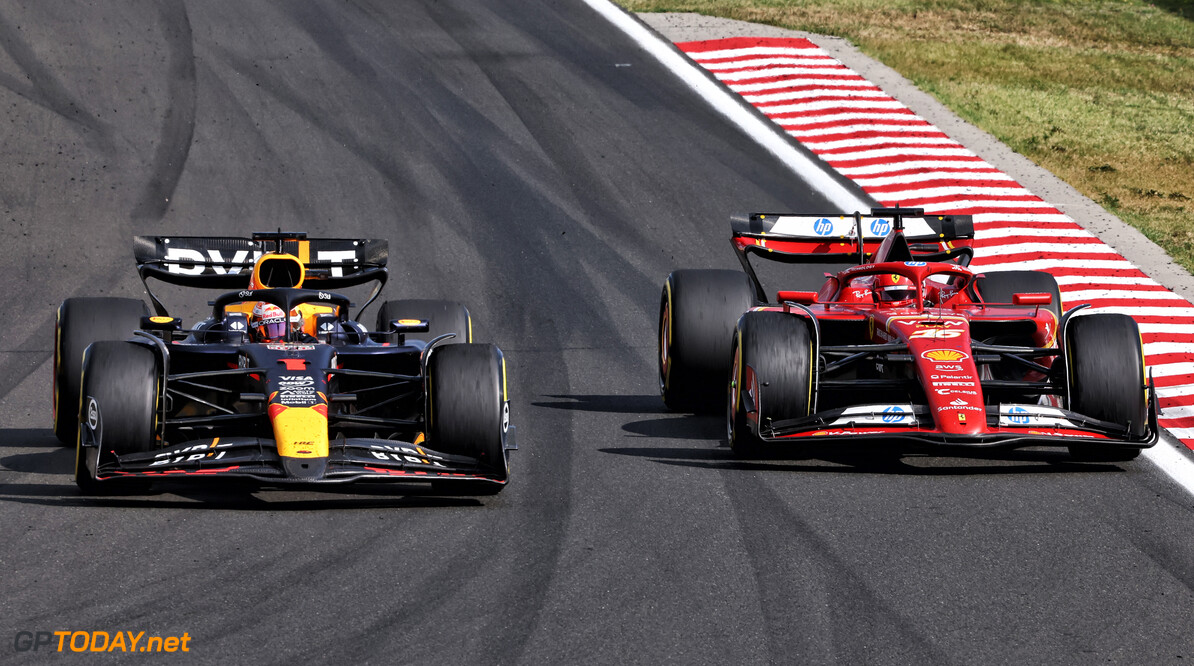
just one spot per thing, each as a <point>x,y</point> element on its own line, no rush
<point>1168,456</point>
<point>729,105</point>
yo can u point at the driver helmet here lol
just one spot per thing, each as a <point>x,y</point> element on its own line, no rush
<point>891,289</point>
<point>269,321</point>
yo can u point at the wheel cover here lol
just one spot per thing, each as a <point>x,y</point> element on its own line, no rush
<point>665,338</point>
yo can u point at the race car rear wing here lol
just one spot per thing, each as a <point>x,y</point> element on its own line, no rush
<point>798,238</point>
<point>222,262</point>
<point>836,238</point>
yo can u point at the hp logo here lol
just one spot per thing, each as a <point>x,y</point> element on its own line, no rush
<point>894,414</point>
<point>880,227</point>
<point>823,226</point>
<point>1018,415</point>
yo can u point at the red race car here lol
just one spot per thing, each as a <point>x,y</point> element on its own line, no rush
<point>909,344</point>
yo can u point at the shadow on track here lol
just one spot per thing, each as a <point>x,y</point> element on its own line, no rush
<point>860,461</point>
<point>612,404</point>
<point>841,457</point>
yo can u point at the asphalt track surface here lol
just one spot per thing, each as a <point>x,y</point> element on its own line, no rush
<point>527,159</point>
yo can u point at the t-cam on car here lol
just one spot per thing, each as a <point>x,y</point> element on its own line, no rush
<point>278,385</point>
<point>909,344</point>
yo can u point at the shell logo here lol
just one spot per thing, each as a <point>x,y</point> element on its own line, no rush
<point>940,355</point>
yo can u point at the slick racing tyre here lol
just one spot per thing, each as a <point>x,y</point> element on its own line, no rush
<point>1001,286</point>
<point>80,322</point>
<point>697,313</point>
<point>467,413</point>
<point>1107,382</point>
<point>443,317</point>
<point>770,378</point>
<point>120,388</point>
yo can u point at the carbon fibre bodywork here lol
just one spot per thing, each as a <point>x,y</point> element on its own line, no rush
<point>345,405</point>
<point>948,367</point>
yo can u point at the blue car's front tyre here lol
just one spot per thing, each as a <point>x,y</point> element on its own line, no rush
<point>467,405</point>
<point>120,392</point>
<point>80,322</point>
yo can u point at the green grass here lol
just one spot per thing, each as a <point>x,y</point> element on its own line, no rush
<point>1099,92</point>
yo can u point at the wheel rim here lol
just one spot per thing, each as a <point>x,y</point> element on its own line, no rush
<point>732,398</point>
<point>665,356</point>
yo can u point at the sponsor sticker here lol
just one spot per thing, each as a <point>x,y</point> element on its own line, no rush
<point>880,227</point>
<point>952,407</point>
<point>296,391</point>
<point>944,355</point>
<point>823,226</point>
<point>830,433</point>
<point>894,414</point>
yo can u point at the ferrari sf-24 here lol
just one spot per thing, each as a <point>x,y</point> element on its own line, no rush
<point>909,347</point>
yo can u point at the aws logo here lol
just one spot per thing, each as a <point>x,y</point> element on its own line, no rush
<point>943,355</point>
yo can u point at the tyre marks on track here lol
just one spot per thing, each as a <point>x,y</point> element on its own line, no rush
<point>46,89</point>
<point>178,119</point>
<point>899,158</point>
<point>815,606</point>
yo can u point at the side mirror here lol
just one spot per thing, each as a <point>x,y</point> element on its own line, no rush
<point>801,297</point>
<point>1032,299</point>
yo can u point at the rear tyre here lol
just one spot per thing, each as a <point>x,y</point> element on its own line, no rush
<point>80,322</point>
<point>771,377</point>
<point>467,412</point>
<point>697,313</point>
<point>1000,287</point>
<point>443,317</point>
<point>120,388</point>
<point>1107,382</point>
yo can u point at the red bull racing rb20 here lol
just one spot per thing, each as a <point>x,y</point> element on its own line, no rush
<point>278,386</point>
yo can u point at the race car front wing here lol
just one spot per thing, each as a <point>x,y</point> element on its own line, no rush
<point>1008,425</point>
<point>349,460</point>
